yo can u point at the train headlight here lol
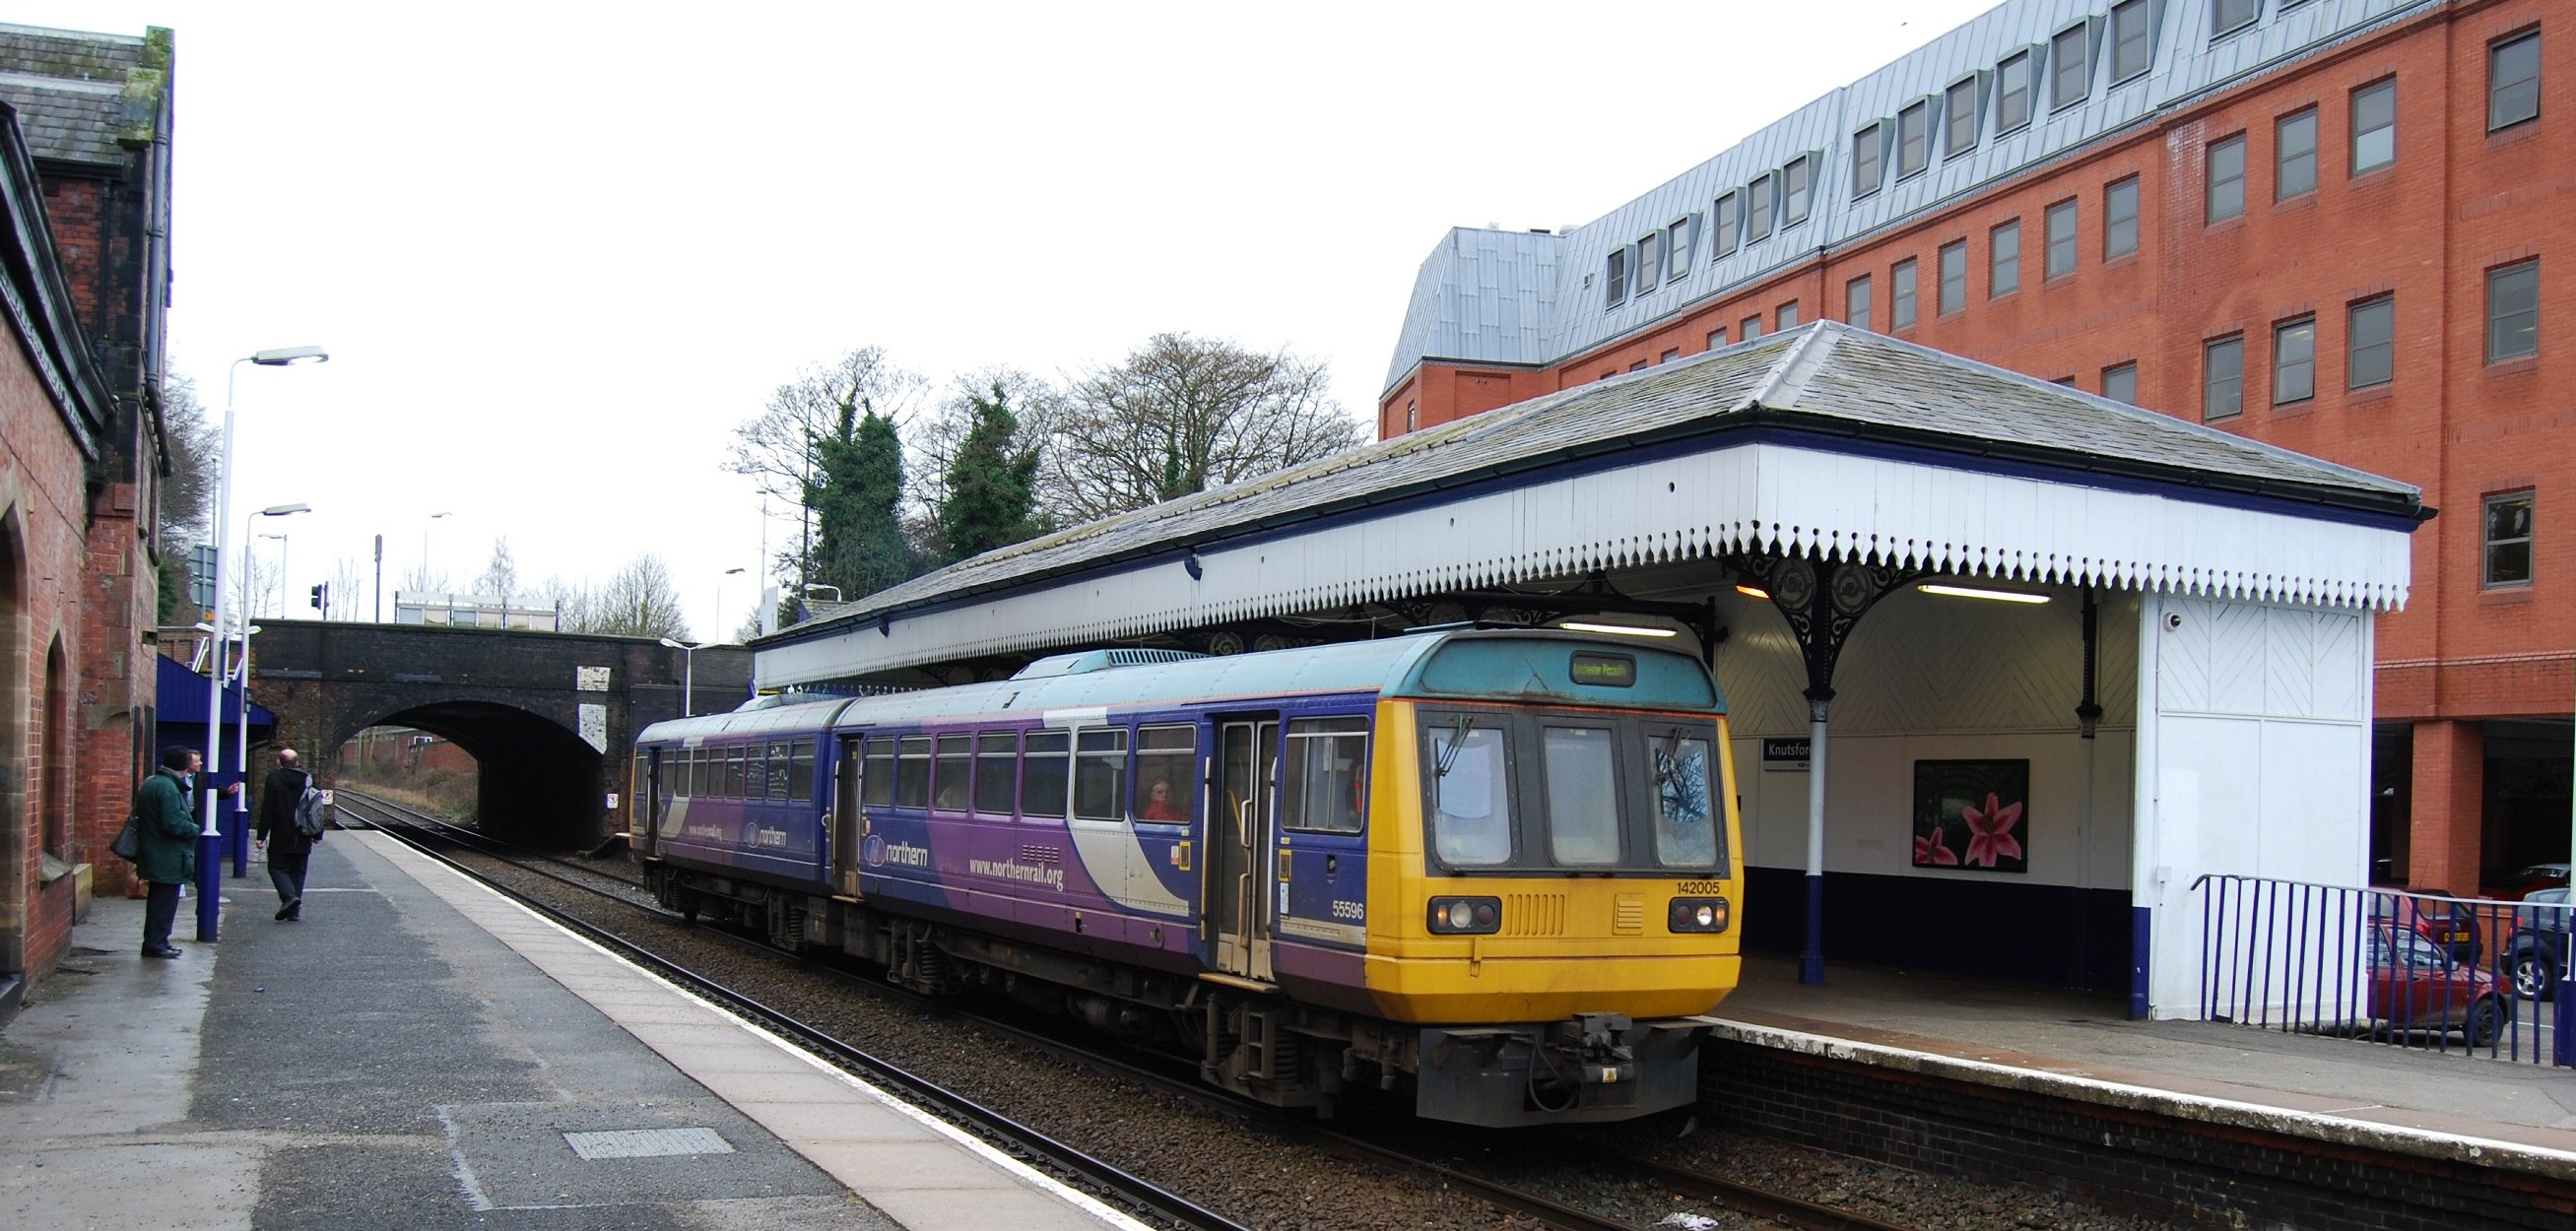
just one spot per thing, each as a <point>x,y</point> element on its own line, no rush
<point>1697,915</point>
<point>1466,916</point>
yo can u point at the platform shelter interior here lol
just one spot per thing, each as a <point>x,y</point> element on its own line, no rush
<point>2160,667</point>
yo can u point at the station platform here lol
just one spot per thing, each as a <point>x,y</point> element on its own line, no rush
<point>2086,1048</point>
<point>420,1052</point>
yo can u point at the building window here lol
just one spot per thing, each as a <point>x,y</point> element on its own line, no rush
<point>2374,126</point>
<point>2133,32</point>
<point>2294,155</point>
<point>1669,356</point>
<point>2513,80</point>
<point>2227,179</point>
<point>2012,93</point>
<point>1900,300</point>
<point>1856,301</point>
<point>1913,139</point>
<point>1638,366</point>
<point>1680,239</point>
<point>1865,172</point>
<point>1787,315</point>
<point>1795,194</point>
<point>2120,219</point>
<point>2222,378</point>
<point>2508,541</point>
<point>1717,337</point>
<point>2229,16</point>
<point>1959,116</point>
<point>2294,360</point>
<point>1409,416</point>
<point>2370,334</point>
<point>2003,259</point>
<point>1757,208</point>
<point>2061,240</point>
<point>2513,311</point>
<point>2070,67</point>
<point>1650,261</point>
<point>2120,384</point>
<point>1729,221</point>
<point>1954,276</point>
<point>1617,276</point>
<point>1751,328</point>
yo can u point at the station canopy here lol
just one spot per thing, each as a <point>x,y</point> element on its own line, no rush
<point>1827,441</point>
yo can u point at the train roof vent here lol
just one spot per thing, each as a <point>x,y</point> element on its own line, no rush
<point>1099,660</point>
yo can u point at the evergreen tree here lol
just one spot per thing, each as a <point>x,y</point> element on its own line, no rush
<point>857,488</point>
<point>991,483</point>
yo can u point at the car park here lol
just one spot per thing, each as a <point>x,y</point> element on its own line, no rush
<point>2536,955</point>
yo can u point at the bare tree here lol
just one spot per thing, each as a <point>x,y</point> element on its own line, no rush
<point>254,585</point>
<point>501,576</point>
<point>641,601</point>
<point>1182,415</point>
<point>347,595</point>
<point>421,582</point>
<point>188,494</point>
<point>576,604</point>
<point>930,443</point>
<point>777,448</point>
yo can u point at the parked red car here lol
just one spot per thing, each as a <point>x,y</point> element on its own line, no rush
<point>2416,986</point>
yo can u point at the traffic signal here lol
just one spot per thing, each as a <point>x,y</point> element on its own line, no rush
<point>318,592</point>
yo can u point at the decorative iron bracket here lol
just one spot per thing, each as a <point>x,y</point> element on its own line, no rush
<point>1822,600</point>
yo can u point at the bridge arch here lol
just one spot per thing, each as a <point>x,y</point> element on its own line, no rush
<point>536,781</point>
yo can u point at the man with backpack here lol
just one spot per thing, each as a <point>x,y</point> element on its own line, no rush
<point>290,816</point>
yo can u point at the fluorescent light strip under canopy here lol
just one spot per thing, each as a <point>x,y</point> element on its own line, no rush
<point>1616,630</point>
<point>2001,596</point>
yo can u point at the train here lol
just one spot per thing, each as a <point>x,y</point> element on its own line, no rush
<point>1495,870</point>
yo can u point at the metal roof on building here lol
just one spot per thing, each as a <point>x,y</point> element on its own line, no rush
<point>79,95</point>
<point>1685,460</point>
<point>2188,59</point>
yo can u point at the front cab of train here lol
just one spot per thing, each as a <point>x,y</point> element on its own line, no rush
<point>1556,894</point>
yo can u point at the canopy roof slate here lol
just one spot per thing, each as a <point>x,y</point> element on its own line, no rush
<point>1970,464</point>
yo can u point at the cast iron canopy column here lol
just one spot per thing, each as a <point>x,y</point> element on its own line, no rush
<point>1823,601</point>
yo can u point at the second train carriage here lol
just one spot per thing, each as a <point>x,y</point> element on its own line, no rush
<point>1496,866</point>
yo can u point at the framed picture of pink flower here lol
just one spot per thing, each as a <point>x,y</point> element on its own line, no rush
<point>1972,815</point>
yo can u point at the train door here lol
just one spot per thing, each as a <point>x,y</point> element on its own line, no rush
<point>847,824</point>
<point>1242,817</point>
<point>643,801</point>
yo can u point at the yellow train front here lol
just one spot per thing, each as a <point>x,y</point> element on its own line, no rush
<point>1551,868</point>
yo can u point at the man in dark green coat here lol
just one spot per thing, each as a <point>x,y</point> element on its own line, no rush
<point>169,856</point>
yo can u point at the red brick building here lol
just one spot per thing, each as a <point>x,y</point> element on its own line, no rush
<point>84,187</point>
<point>2337,226</point>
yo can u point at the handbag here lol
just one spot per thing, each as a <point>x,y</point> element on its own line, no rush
<point>129,840</point>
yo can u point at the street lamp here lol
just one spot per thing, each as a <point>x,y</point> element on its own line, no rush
<point>718,631</point>
<point>209,877</point>
<point>688,675</point>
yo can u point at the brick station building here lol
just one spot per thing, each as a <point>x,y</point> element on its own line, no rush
<point>2338,226</point>
<point>84,258</point>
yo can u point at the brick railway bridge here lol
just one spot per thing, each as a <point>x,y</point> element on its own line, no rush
<point>550,718</point>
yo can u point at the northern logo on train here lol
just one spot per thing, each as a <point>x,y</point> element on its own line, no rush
<point>872,851</point>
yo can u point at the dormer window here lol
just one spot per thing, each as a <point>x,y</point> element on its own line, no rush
<point>1959,117</point>
<point>2070,67</point>
<point>2133,39</point>
<point>1865,161</point>
<point>1758,201</point>
<point>1796,190</point>
<point>2229,16</point>
<point>2012,92</point>
<point>1913,139</point>
<point>1616,275</point>
<point>1680,239</point>
<point>1730,224</point>
<point>1650,260</point>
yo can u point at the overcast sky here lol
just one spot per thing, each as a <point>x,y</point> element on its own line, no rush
<point>559,252</point>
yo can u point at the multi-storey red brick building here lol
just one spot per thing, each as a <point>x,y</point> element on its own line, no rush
<point>84,188</point>
<point>2338,226</point>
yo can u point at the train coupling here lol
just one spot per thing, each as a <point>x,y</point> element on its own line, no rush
<point>1591,1067</point>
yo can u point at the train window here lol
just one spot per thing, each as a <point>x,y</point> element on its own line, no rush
<point>737,767</point>
<point>1044,774</point>
<point>800,771</point>
<point>1685,806</point>
<point>1582,795</point>
<point>1100,775</point>
<point>1326,778</point>
<point>768,773</point>
<point>1167,774</point>
<point>1468,767</point>
<point>955,773</point>
<point>876,782</point>
<point>912,772</point>
<point>996,771</point>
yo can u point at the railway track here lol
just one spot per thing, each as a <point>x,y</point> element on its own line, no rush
<point>1561,1166</point>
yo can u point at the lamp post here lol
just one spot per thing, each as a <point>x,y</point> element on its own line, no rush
<point>688,675</point>
<point>807,590</point>
<point>424,547</point>
<point>209,908</point>
<point>717,633</point>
